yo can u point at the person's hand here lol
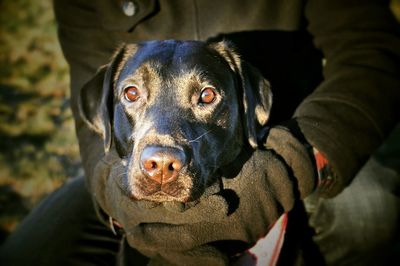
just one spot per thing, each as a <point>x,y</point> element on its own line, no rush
<point>267,185</point>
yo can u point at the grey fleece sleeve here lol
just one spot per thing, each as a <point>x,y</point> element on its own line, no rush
<point>358,104</point>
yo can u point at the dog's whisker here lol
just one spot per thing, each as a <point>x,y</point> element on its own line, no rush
<point>120,166</point>
<point>120,171</point>
<point>199,137</point>
<point>121,175</point>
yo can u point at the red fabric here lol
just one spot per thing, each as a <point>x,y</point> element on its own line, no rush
<point>268,248</point>
<point>325,174</point>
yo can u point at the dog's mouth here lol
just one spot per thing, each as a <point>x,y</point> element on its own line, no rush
<point>147,189</point>
<point>185,188</point>
<point>164,174</point>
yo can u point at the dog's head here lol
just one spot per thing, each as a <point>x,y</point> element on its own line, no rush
<point>175,111</point>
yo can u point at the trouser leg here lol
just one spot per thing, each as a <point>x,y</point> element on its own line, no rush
<point>62,230</point>
<point>360,225</point>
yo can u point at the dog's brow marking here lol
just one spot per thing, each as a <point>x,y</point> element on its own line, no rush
<point>261,114</point>
<point>199,137</point>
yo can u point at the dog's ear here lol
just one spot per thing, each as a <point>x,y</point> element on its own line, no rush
<point>96,98</point>
<point>256,92</point>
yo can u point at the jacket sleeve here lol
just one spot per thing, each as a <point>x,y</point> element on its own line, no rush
<point>357,105</point>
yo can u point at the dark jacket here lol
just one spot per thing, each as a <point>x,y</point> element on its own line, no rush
<point>346,115</point>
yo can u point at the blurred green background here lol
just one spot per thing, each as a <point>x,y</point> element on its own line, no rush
<point>38,149</point>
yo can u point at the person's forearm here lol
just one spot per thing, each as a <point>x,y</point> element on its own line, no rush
<point>356,106</point>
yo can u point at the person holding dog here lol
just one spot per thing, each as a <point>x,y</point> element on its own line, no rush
<point>334,71</point>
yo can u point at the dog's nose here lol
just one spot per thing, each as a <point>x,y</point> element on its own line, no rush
<point>162,164</point>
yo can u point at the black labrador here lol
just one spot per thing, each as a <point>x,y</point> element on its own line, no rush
<point>176,111</point>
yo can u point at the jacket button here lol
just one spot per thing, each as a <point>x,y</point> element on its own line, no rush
<point>129,8</point>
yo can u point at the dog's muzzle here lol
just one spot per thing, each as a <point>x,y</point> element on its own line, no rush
<point>162,164</point>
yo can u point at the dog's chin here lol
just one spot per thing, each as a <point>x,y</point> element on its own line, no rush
<point>184,195</point>
<point>160,197</point>
<point>183,190</point>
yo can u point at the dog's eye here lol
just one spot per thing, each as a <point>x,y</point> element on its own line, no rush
<point>207,95</point>
<point>131,93</point>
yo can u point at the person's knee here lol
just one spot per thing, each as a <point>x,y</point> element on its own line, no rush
<point>363,218</point>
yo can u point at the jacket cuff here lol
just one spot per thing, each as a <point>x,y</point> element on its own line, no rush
<point>326,176</point>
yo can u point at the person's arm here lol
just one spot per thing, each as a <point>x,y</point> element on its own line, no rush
<point>357,104</point>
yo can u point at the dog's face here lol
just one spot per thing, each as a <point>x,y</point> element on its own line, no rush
<point>176,112</point>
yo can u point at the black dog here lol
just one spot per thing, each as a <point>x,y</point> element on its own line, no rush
<point>173,113</point>
<point>176,112</point>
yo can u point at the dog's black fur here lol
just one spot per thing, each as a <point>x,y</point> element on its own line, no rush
<point>169,119</point>
<point>170,76</point>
